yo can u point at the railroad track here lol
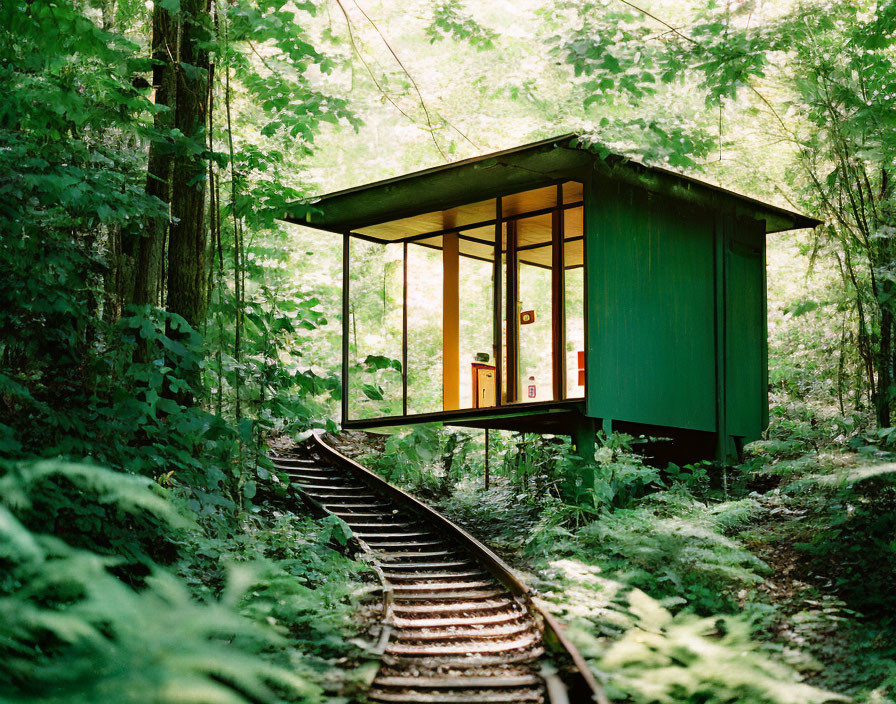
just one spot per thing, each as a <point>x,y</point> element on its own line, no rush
<point>459,627</point>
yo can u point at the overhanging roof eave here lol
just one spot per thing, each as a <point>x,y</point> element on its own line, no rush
<point>450,166</point>
<point>446,186</point>
<point>687,188</point>
<point>450,185</point>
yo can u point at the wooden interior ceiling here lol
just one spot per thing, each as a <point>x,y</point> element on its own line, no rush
<point>483,211</point>
<point>536,240</point>
<point>478,243</point>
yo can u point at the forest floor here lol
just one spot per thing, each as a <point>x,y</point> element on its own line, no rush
<point>812,617</point>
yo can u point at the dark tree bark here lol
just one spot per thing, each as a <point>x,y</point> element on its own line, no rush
<point>884,373</point>
<point>150,250</point>
<point>186,272</point>
<point>187,234</point>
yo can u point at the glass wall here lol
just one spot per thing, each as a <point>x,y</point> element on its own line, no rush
<point>574,302</point>
<point>575,332</point>
<point>424,329</point>
<point>477,330</point>
<point>534,314</point>
<point>375,329</point>
<point>421,320</point>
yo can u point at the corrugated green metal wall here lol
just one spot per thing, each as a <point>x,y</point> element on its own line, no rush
<point>654,270</point>
<point>651,350</point>
<point>746,341</point>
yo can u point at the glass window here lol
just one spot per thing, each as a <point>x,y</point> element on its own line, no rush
<point>375,329</point>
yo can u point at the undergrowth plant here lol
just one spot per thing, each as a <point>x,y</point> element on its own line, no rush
<point>851,530</point>
<point>685,558</point>
<point>665,659</point>
<point>408,458</point>
<point>125,517</point>
<point>73,631</point>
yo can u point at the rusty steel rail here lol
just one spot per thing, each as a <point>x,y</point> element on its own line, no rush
<point>458,625</point>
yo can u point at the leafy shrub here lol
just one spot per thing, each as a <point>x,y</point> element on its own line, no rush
<point>546,468</point>
<point>619,476</point>
<point>93,508</point>
<point>277,384</point>
<point>70,631</point>
<point>292,575</point>
<point>694,477</point>
<point>123,412</point>
<point>295,579</point>
<point>535,464</point>
<point>620,481</point>
<point>665,659</point>
<point>683,557</point>
<point>407,456</point>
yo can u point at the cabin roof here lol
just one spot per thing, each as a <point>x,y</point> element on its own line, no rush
<point>420,200</point>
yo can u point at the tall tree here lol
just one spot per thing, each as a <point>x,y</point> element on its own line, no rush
<point>150,250</point>
<point>186,295</point>
<point>846,58</point>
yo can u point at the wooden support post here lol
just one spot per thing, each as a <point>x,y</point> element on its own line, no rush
<point>558,299</point>
<point>512,315</point>
<point>450,322</point>
<point>404,332</point>
<point>345,325</point>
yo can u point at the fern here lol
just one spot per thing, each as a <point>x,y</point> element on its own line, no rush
<point>848,530</point>
<point>680,556</point>
<point>71,631</point>
<point>666,659</point>
<point>94,508</point>
<point>645,654</point>
<point>732,516</point>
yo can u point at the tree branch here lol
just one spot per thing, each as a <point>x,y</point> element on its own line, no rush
<point>672,29</point>
<point>406,73</point>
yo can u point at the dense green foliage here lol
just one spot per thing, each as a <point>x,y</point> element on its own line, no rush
<point>74,630</point>
<point>696,583</point>
<point>148,553</point>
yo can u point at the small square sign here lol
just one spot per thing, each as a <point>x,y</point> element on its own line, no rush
<point>527,317</point>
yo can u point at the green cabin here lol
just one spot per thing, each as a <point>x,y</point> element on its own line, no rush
<point>554,288</point>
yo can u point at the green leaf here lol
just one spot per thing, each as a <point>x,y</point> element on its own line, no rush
<point>375,362</point>
<point>246,427</point>
<point>801,307</point>
<point>375,393</point>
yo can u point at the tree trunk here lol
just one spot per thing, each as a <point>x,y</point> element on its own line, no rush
<point>187,235</point>
<point>882,402</point>
<point>883,292</point>
<point>148,267</point>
